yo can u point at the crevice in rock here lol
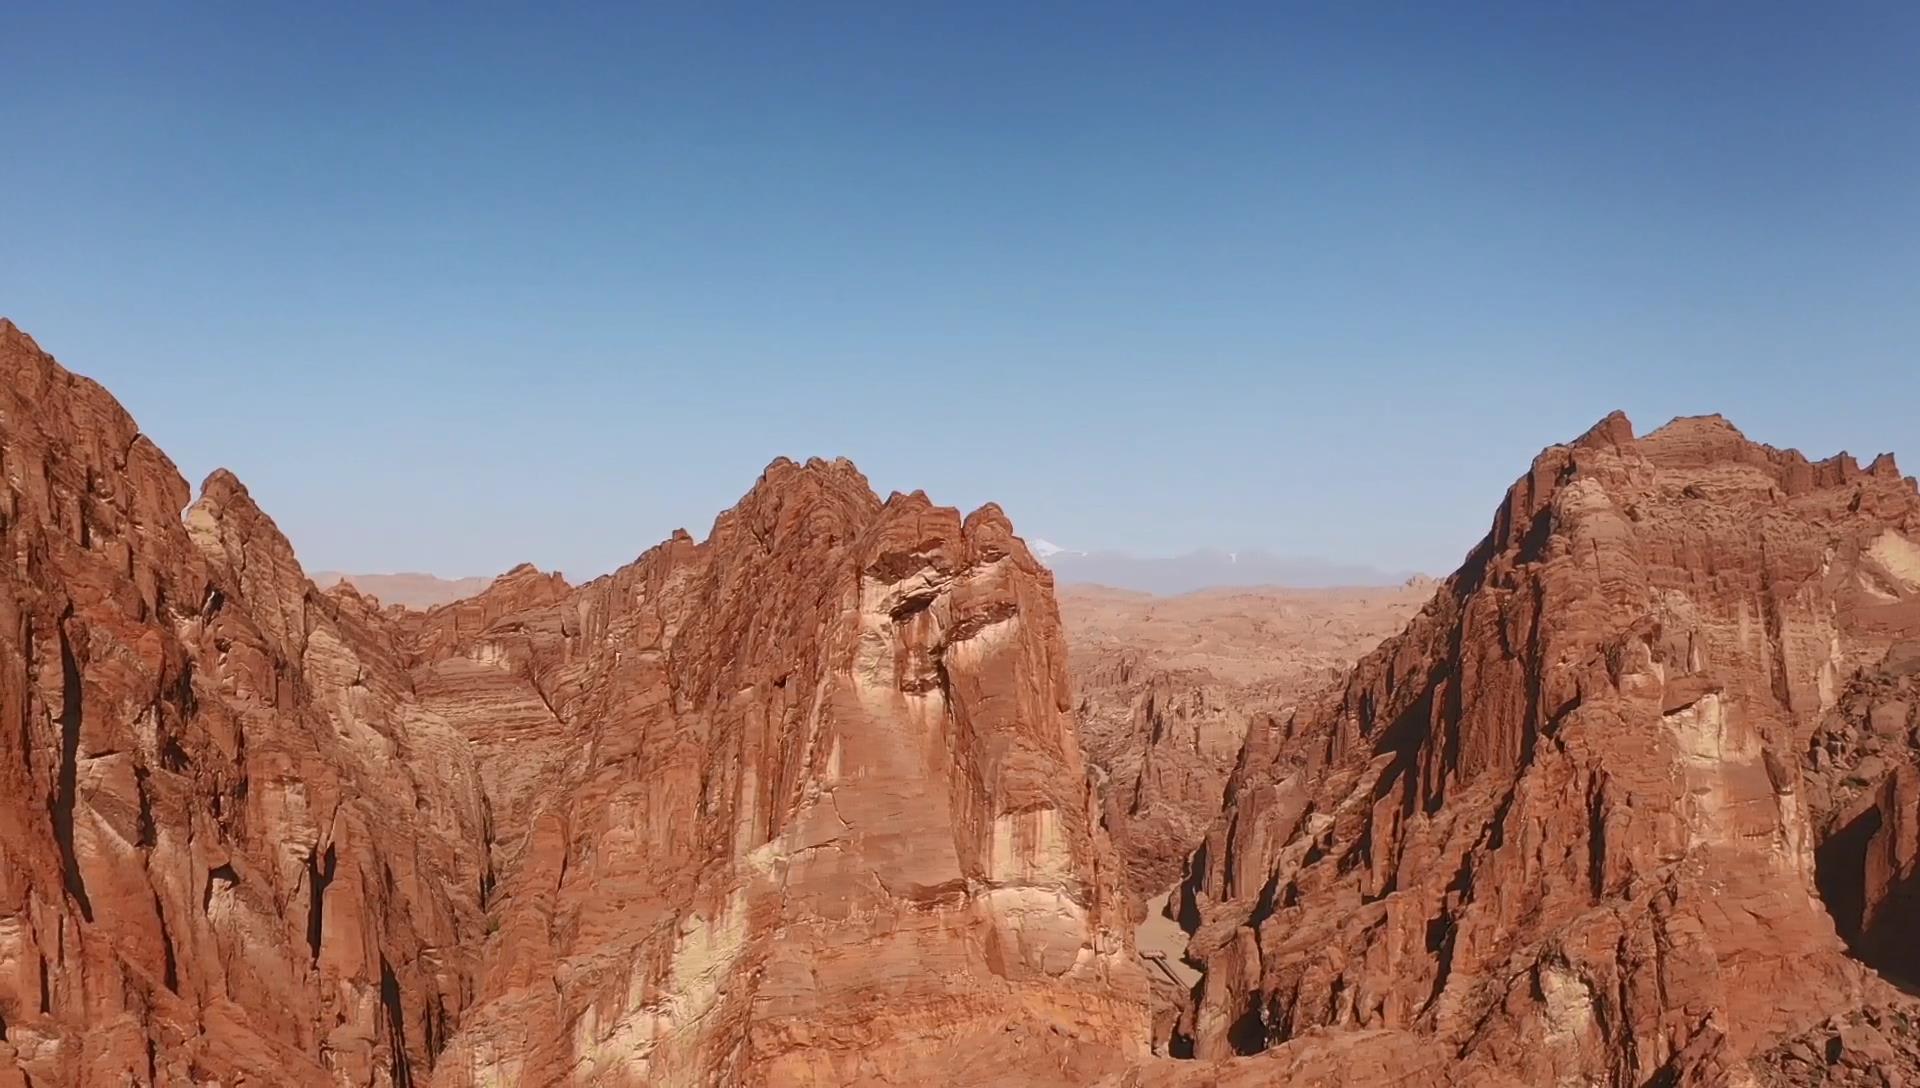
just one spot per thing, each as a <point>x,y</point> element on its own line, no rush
<point>486,851</point>
<point>26,713</point>
<point>221,874</point>
<point>147,834</point>
<point>183,690</point>
<point>1248,1035</point>
<point>46,990</point>
<point>172,976</point>
<point>317,880</point>
<point>912,606</point>
<point>1597,839</point>
<point>396,1025</point>
<point>437,1027</point>
<point>173,757</point>
<point>65,795</point>
<point>1876,912</point>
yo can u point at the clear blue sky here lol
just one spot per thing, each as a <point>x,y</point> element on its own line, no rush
<point>452,290</point>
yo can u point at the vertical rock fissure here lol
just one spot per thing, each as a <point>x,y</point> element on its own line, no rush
<point>486,851</point>
<point>172,968</point>
<point>26,705</point>
<point>396,1025</point>
<point>68,787</point>
<point>317,881</point>
<point>147,835</point>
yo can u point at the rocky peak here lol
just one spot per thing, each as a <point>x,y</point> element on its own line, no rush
<point>230,853</point>
<point>1560,824</point>
<point>844,718</point>
<point>799,803</point>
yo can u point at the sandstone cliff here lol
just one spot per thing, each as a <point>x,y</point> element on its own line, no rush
<point>799,804</point>
<point>231,851</point>
<point>1565,826</point>
<point>1633,800</point>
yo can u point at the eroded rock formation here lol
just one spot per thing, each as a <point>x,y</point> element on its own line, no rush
<point>231,850</point>
<point>1634,800</point>
<point>799,804</point>
<point>807,809</point>
<point>1563,826</point>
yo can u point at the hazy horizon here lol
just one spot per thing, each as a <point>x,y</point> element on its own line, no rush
<point>450,295</point>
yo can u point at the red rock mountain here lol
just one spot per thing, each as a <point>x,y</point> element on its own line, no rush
<point>798,805</point>
<point>1634,800</point>
<point>1571,826</point>
<point>233,849</point>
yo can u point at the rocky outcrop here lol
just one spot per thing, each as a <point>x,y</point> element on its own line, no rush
<point>1162,743</point>
<point>1560,826</point>
<point>1633,800</point>
<point>809,810</point>
<point>799,804</point>
<point>230,849</point>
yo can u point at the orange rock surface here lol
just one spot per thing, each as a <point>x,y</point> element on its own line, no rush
<point>232,849</point>
<point>1633,799</point>
<point>1562,826</point>
<point>799,804</point>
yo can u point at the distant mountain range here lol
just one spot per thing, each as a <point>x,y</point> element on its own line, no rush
<point>1162,575</point>
<point>1205,569</point>
<point>411,589</point>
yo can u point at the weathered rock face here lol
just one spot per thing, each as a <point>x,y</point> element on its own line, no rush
<point>801,804</point>
<point>1560,827</point>
<point>805,808</point>
<point>230,850</point>
<point>1634,800</point>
